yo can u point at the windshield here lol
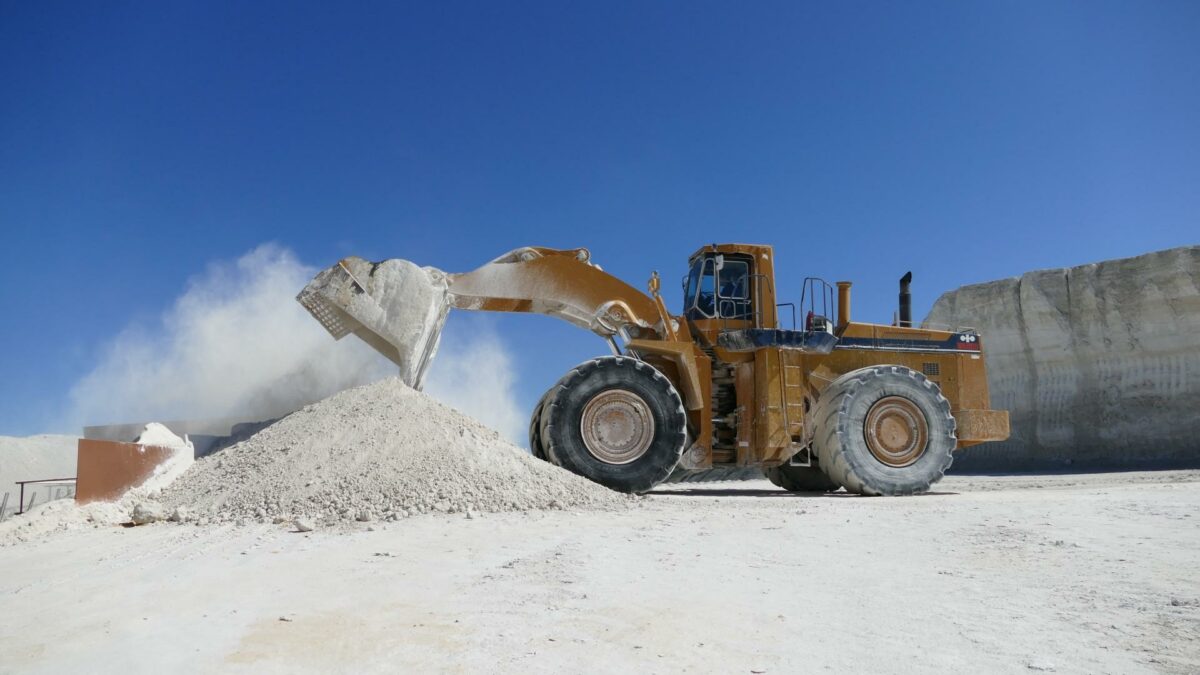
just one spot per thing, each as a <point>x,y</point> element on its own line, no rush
<point>698,298</point>
<point>709,293</point>
<point>689,288</point>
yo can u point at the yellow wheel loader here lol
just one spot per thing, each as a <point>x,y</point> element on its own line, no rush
<point>735,381</point>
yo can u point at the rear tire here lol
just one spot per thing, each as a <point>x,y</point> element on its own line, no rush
<point>801,479</point>
<point>884,430</point>
<point>617,421</point>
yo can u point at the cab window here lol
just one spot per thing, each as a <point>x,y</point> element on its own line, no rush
<point>733,290</point>
<point>711,293</point>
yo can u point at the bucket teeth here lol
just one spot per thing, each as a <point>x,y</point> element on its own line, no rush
<point>326,313</point>
<point>395,306</point>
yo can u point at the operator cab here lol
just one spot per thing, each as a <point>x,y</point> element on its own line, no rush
<point>718,287</point>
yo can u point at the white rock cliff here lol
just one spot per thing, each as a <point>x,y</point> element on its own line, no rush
<point>1099,365</point>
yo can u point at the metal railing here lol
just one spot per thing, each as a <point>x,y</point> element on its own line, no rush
<point>809,290</point>
<point>785,304</point>
<point>756,299</point>
<point>22,507</point>
<point>816,298</point>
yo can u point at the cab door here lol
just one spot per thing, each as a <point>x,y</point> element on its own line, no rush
<point>718,291</point>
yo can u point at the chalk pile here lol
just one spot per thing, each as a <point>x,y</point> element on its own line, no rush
<point>378,452</point>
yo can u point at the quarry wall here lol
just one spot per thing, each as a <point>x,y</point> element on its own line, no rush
<point>1099,365</point>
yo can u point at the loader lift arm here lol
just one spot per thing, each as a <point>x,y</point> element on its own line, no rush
<point>561,283</point>
<point>399,308</point>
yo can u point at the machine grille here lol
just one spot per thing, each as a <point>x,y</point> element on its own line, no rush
<point>931,369</point>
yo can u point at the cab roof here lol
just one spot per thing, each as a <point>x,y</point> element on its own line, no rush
<point>754,250</point>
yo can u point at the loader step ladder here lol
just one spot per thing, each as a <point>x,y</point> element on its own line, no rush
<point>792,393</point>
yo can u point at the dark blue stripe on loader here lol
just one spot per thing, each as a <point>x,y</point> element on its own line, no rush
<point>953,343</point>
<point>750,339</point>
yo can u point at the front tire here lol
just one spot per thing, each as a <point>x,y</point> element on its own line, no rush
<point>884,430</point>
<point>536,447</point>
<point>617,421</point>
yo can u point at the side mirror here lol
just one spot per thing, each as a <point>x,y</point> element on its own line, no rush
<point>720,262</point>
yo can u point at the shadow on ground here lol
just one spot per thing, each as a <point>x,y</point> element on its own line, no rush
<point>761,492</point>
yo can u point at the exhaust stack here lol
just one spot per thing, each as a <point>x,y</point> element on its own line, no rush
<point>905,301</point>
<point>843,303</point>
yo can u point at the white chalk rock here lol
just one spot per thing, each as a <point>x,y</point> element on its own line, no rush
<point>147,512</point>
<point>159,435</point>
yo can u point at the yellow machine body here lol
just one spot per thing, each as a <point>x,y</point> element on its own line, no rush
<point>748,376</point>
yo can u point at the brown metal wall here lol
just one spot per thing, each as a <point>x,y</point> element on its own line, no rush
<point>107,469</point>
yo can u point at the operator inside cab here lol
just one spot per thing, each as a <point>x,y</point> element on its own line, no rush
<point>718,287</point>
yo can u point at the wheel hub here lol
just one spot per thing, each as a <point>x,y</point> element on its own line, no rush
<point>896,431</point>
<point>617,426</point>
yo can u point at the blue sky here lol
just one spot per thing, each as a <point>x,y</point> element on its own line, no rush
<point>966,141</point>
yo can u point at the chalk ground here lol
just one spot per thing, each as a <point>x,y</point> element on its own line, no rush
<point>1074,573</point>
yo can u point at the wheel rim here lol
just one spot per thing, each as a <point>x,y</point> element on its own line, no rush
<point>617,426</point>
<point>896,431</point>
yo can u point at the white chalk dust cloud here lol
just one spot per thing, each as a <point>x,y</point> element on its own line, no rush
<point>236,344</point>
<point>474,372</point>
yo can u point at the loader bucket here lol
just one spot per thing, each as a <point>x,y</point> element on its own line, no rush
<point>395,306</point>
